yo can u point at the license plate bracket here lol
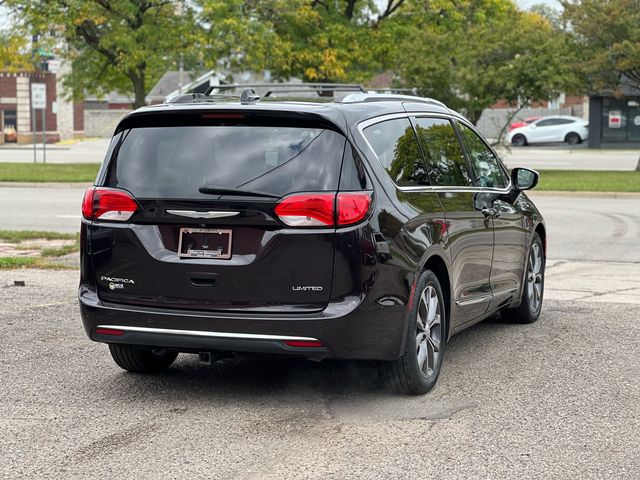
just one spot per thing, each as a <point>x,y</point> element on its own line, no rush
<point>212,243</point>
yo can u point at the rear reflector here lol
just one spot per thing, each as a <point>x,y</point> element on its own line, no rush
<point>108,204</point>
<point>109,331</point>
<point>319,209</point>
<point>304,343</point>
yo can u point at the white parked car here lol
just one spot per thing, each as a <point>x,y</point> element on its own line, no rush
<point>561,128</point>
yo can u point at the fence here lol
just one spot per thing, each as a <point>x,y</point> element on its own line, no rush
<point>102,123</point>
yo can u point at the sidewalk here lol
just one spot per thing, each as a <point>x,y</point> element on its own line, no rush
<point>88,151</point>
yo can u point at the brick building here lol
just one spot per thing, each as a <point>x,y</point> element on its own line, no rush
<point>62,119</point>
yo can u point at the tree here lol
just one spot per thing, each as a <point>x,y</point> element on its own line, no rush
<point>473,53</point>
<point>607,35</point>
<point>122,45</point>
<point>316,40</point>
<point>14,53</point>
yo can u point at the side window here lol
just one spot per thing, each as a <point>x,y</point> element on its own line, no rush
<point>446,162</point>
<point>486,170</point>
<point>546,123</point>
<point>397,149</point>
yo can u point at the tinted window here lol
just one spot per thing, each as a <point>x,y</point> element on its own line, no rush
<point>564,121</point>
<point>446,162</point>
<point>551,121</point>
<point>395,145</point>
<point>159,162</point>
<point>486,170</point>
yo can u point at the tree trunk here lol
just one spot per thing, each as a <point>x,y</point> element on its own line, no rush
<point>474,116</point>
<point>139,93</point>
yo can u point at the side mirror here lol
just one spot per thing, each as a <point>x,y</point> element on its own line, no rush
<point>524,178</point>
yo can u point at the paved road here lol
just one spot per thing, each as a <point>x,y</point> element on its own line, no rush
<point>559,157</point>
<point>81,152</point>
<point>557,399</point>
<point>55,209</point>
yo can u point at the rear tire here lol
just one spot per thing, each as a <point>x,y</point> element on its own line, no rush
<point>417,370</point>
<point>137,360</point>
<point>519,140</point>
<point>573,138</point>
<point>533,290</point>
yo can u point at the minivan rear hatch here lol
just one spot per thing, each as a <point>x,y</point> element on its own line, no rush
<point>232,210</point>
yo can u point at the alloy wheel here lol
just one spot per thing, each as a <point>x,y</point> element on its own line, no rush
<point>429,331</point>
<point>534,278</point>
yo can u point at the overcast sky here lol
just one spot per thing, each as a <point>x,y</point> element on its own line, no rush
<point>529,3</point>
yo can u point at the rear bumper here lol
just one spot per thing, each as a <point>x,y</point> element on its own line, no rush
<point>352,329</point>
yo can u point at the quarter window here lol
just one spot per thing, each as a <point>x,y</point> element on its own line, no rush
<point>445,160</point>
<point>394,143</point>
<point>485,166</point>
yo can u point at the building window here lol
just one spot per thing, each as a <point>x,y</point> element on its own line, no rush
<point>620,120</point>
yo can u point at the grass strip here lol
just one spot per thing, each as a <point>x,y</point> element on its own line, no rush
<point>49,172</point>
<point>17,236</point>
<point>589,181</point>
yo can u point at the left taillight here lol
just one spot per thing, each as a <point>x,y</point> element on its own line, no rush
<point>108,204</point>
<point>323,209</point>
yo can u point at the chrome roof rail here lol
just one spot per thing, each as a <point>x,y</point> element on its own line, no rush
<point>388,97</point>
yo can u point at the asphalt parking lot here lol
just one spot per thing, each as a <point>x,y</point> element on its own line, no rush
<point>556,399</point>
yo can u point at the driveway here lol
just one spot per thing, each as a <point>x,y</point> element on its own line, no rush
<point>556,399</point>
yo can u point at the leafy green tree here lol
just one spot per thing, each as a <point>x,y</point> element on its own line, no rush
<point>14,53</point>
<point>473,53</point>
<point>122,45</point>
<point>606,33</point>
<point>316,40</point>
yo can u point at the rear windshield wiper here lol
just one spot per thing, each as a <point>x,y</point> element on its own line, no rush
<point>214,190</point>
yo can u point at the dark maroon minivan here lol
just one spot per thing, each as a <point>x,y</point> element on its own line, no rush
<point>372,228</point>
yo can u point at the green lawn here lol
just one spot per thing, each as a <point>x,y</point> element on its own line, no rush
<point>17,236</point>
<point>589,181</point>
<point>49,172</point>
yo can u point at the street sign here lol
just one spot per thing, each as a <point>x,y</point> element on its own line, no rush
<point>38,96</point>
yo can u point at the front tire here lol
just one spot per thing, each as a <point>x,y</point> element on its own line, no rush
<point>142,361</point>
<point>417,370</point>
<point>533,291</point>
<point>573,138</point>
<point>519,140</point>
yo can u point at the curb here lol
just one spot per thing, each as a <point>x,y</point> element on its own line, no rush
<point>45,184</point>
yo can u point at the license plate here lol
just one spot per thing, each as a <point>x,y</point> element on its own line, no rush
<point>204,243</point>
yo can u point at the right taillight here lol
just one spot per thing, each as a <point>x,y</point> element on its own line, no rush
<point>323,209</point>
<point>108,204</point>
<point>353,207</point>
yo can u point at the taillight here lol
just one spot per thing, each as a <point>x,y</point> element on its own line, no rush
<point>307,210</point>
<point>319,209</point>
<point>352,207</point>
<point>108,204</point>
